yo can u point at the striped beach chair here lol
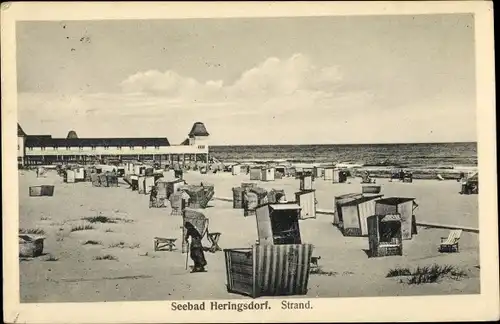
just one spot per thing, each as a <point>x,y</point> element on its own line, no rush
<point>450,243</point>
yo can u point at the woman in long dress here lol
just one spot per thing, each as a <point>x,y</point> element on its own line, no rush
<point>195,248</point>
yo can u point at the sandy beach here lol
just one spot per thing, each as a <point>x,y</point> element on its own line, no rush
<point>140,274</point>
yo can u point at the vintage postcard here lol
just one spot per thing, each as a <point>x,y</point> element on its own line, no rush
<point>249,162</point>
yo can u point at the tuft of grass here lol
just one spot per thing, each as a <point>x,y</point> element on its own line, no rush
<point>106,257</point>
<point>57,223</point>
<point>319,271</point>
<point>99,219</point>
<point>398,272</point>
<point>123,245</point>
<point>117,245</point>
<point>38,231</point>
<point>134,246</point>
<point>428,274</point>
<point>82,228</point>
<point>106,220</point>
<point>43,218</point>
<point>124,220</point>
<point>92,242</point>
<point>108,230</point>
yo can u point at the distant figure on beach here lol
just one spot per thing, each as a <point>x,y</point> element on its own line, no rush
<point>152,196</point>
<point>366,177</point>
<point>185,197</point>
<point>401,174</point>
<point>195,247</point>
<point>37,172</point>
<point>281,198</point>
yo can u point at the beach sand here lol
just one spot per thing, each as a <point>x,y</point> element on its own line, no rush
<point>140,274</point>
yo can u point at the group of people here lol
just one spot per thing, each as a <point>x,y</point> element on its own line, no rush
<point>402,175</point>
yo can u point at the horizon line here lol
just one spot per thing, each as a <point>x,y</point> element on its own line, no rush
<point>381,143</point>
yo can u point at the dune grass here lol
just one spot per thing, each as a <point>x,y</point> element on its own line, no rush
<point>398,272</point>
<point>320,272</point>
<point>106,220</point>
<point>106,257</point>
<point>38,231</point>
<point>99,219</point>
<point>123,220</point>
<point>92,242</point>
<point>82,228</point>
<point>427,274</point>
<point>123,245</point>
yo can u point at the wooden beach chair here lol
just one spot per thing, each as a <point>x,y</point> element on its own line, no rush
<point>450,243</point>
<point>160,243</point>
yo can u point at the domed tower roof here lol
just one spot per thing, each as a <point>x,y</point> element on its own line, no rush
<point>71,134</point>
<point>198,130</point>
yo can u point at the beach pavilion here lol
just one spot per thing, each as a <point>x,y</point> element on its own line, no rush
<point>45,149</point>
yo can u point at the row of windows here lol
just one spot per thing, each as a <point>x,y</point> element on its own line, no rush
<point>93,148</point>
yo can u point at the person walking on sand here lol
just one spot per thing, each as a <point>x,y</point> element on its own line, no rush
<point>195,247</point>
<point>152,196</point>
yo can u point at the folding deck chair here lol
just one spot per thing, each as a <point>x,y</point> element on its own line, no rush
<point>450,243</point>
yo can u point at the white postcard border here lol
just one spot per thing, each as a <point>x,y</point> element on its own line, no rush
<point>429,308</point>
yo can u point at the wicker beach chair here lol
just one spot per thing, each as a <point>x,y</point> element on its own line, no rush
<point>178,203</point>
<point>450,243</point>
<point>96,180</point>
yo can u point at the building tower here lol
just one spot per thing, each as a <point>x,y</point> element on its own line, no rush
<point>71,134</point>
<point>21,138</point>
<point>198,135</point>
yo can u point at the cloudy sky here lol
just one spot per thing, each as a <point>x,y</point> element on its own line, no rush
<point>378,79</point>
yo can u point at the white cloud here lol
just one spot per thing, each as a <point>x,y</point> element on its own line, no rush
<point>273,78</point>
<point>301,102</point>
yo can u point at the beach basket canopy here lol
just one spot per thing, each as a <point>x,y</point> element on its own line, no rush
<point>71,134</point>
<point>198,129</point>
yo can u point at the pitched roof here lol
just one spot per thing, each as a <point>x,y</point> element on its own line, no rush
<point>185,142</point>
<point>391,218</point>
<point>360,200</point>
<point>20,131</point>
<point>395,200</point>
<point>48,141</point>
<point>198,130</point>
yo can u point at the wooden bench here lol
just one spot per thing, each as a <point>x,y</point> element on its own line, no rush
<point>161,242</point>
<point>450,243</point>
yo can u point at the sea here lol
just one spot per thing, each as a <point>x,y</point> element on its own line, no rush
<point>409,155</point>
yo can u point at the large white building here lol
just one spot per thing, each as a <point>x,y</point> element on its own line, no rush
<point>44,149</point>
